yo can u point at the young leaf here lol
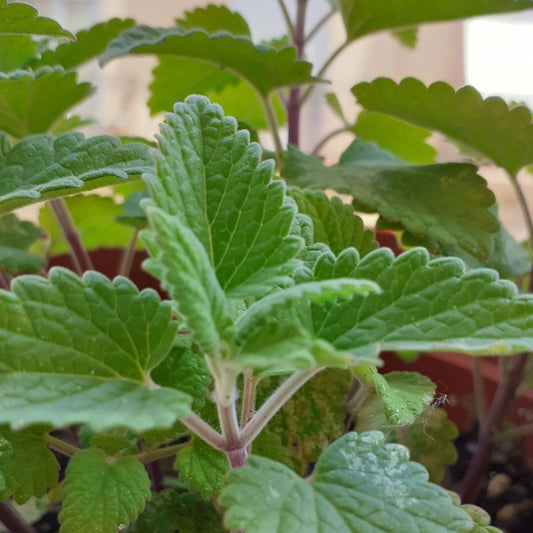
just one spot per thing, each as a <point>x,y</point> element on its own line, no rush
<point>215,18</point>
<point>404,395</point>
<point>16,51</point>
<point>313,417</point>
<point>334,223</point>
<point>100,493</point>
<point>186,370</point>
<point>359,484</point>
<point>66,165</point>
<point>430,441</point>
<point>481,520</point>
<point>425,305</point>
<point>264,68</point>
<point>93,216</point>
<point>16,237</point>
<point>32,101</point>
<point>28,467</point>
<point>449,202</point>
<point>406,36</point>
<point>170,512</point>
<point>489,126</point>
<point>88,45</point>
<point>132,213</point>
<point>284,320</point>
<point>22,19</point>
<point>179,260</point>
<point>202,467</point>
<point>79,351</point>
<point>404,140</point>
<point>367,16</point>
<point>211,178</point>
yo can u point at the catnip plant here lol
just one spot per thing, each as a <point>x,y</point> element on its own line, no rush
<point>246,395</point>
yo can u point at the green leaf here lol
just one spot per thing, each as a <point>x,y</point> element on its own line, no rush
<point>28,467</point>
<point>313,417</point>
<point>181,263</point>
<point>366,16</point>
<point>114,443</point>
<point>279,329</point>
<point>66,165</point>
<point>132,213</point>
<point>239,215</point>
<point>406,141</point>
<point>449,202</point>
<point>430,441</point>
<point>264,68</point>
<point>16,238</point>
<point>359,484</point>
<point>31,102</point>
<point>93,216</point>
<point>16,51</point>
<point>68,124</point>
<point>89,44</point>
<point>21,19</point>
<point>489,126</point>
<point>334,222</point>
<point>186,370</point>
<point>407,36</point>
<point>170,512</point>
<point>425,305</point>
<point>80,350</point>
<point>213,19</point>
<point>100,493</point>
<point>481,520</point>
<point>404,395</point>
<point>202,467</point>
<point>333,102</point>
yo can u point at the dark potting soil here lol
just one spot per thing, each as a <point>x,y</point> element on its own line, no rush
<point>507,490</point>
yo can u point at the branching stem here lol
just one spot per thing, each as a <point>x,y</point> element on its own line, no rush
<point>203,430</point>
<point>287,18</point>
<point>248,396</point>
<point>272,125</point>
<point>318,26</point>
<point>78,253</point>
<point>126,261</point>
<point>274,403</point>
<point>61,446</point>
<point>159,453</point>
<point>328,137</point>
<point>234,449</point>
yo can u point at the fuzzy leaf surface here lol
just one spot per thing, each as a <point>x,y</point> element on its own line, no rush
<point>366,16</point>
<point>202,467</point>
<point>334,222</point>
<point>359,484</point>
<point>80,350</point>
<point>22,19</point>
<point>100,494</point>
<point>67,164</point>
<point>211,179</point>
<point>89,44</point>
<point>264,68</point>
<point>489,126</point>
<point>28,467</point>
<point>284,320</point>
<point>16,237</point>
<point>93,216</point>
<point>171,512</point>
<point>425,305</point>
<point>31,102</point>
<point>450,201</point>
<point>404,140</point>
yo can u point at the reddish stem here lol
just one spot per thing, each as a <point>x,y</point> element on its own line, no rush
<point>13,521</point>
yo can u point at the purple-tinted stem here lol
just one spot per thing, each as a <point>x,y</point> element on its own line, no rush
<point>13,521</point>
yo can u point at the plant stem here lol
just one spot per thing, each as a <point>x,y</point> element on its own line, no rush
<point>159,453</point>
<point>287,18</point>
<point>316,28</point>
<point>325,67</point>
<point>294,105</point>
<point>272,125</point>
<point>528,219</point>
<point>274,403</point>
<point>5,280</point>
<point>516,433</point>
<point>479,391</point>
<point>13,520</point>
<point>329,136</point>
<point>248,396</point>
<point>500,405</point>
<point>126,260</point>
<point>61,446</point>
<point>234,449</point>
<point>203,430</point>
<point>80,257</point>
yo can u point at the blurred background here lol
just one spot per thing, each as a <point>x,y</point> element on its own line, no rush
<point>490,53</point>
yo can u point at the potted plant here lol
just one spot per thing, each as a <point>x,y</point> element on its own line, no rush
<point>248,397</point>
